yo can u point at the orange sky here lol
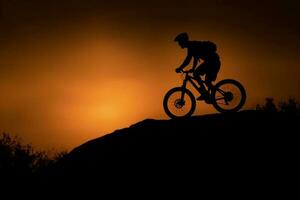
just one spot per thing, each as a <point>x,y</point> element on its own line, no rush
<point>68,75</point>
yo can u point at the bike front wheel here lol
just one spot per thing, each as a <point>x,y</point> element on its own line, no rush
<point>179,103</point>
<point>228,96</point>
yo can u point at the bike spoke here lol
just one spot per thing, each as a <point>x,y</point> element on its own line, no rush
<point>221,91</point>
<point>220,98</point>
<point>222,101</point>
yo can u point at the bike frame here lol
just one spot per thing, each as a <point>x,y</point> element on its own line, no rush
<point>192,80</point>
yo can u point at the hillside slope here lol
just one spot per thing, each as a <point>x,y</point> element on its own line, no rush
<point>246,144</point>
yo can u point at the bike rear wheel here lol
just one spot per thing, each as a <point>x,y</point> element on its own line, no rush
<point>228,96</point>
<point>179,103</point>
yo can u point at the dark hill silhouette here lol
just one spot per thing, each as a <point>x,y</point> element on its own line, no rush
<point>245,145</point>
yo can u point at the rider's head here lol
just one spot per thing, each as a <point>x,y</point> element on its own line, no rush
<point>182,40</point>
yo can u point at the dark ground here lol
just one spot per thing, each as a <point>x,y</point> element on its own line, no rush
<point>243,154</point>
<point>242,147</point>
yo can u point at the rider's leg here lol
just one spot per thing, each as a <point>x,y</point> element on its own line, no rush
<point>211,76</point>
<point>201,70</point>
<point>208,83</point>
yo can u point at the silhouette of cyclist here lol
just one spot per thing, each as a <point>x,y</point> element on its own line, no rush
<point>200,50</point>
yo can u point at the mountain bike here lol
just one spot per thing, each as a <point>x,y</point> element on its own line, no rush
<point>228,95</point>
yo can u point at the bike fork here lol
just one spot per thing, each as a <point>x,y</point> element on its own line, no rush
<point>183,90</point>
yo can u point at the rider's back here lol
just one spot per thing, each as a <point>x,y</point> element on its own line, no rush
<point>203,49</point>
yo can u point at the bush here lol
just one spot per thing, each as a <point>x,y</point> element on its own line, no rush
<point>17,159</point>
<point>291,106</point>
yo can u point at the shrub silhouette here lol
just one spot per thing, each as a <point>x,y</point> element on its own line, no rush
<point>291,106</point>
<point>17,159</point>
<point>269,106</point>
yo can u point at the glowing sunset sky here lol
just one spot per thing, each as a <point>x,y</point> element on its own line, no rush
<point>73,70</point>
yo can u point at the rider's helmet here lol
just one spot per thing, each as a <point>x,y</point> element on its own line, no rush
<point>182,37</point>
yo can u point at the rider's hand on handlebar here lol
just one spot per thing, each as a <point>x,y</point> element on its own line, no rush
<point>178,70</point>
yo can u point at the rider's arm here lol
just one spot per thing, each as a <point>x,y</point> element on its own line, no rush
<point>186,61</point>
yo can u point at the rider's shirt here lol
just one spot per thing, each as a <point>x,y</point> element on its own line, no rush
<point>198,50</point>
